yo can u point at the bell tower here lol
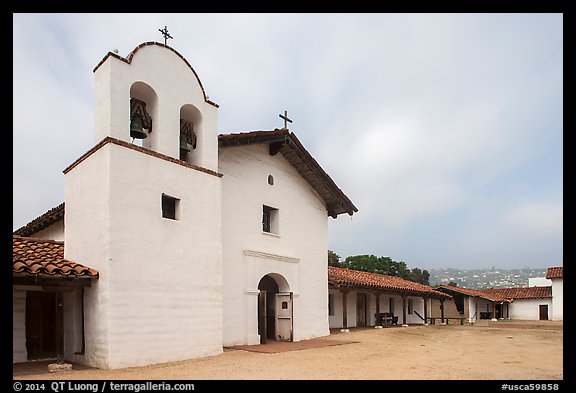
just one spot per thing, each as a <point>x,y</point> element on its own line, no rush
<point>143,208</point>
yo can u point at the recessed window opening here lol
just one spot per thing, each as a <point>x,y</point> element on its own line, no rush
<point>410,306</point>
<point>170,207</point>
<point>271,180</point>
<point>269,219</point>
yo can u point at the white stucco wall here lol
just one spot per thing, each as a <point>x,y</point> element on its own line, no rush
<point>539,282</point>
<point>529,308</point>
<point>297,253</point>
<point>158,297</point>
<point>174,85</point>
<point>557,299</point>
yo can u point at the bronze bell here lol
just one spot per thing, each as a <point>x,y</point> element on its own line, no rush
<point>184,143</point>
<point>136,128</point>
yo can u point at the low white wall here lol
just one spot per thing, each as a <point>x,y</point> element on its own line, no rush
<point>529,308</point>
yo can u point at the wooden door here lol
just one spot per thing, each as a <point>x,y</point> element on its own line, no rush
<point>40,325</point>
<point>543,311</point>
<point>262,316</point>
<point>284,316</point>
<point>360,309</point>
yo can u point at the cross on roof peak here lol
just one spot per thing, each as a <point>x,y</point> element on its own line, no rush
<point>286,119</point>
<point>165,34</point>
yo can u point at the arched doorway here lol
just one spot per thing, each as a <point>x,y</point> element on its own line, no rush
<point>274,309</point>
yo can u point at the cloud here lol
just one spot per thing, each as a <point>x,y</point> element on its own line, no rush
<point>444,129</point>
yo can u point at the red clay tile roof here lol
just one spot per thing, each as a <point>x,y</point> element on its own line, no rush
<point>355,278</point>
<point>41,222</point>
<point>472,292</point>
<point>503,294</point>
<point>45,257</point>
<point>521,293</point>
<point>286,142</point>
<point>555,272</point>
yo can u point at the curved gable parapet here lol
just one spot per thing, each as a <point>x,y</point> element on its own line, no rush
<point>131,55</point>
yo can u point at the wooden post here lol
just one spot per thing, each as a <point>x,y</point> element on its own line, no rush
<point>425,309</point>
<point>59,327</point>
<point>377,307</point>
<point>442,310</point>
<point>344,309</point>
<point>403,309</point>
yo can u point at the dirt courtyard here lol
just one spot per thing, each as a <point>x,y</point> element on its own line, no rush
<point>501,350</point>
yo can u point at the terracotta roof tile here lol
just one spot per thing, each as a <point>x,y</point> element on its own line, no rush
<point>472,292</point>
<point>521,293</point>
<point>40,256</point>
<point>356,278</point>
<point>503,294</point>
<point>555,272</point>
<point>41,222</point>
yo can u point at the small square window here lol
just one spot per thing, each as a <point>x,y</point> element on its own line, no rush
<point>269,219</point>
<point>169,207</point>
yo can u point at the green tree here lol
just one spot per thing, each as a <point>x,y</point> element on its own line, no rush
<point>380,265</point>
<point>333,259</point>
<point>387,266</point>
<point>420,276</point>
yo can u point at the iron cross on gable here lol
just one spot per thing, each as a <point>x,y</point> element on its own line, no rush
<point>165,34</point>
<point>286,119</point>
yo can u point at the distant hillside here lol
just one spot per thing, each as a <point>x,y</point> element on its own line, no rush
<point>485,278</point>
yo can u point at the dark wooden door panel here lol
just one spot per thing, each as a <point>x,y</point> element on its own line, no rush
<point>40,325</point>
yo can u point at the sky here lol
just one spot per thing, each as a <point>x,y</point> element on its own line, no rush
<point>445,130</point>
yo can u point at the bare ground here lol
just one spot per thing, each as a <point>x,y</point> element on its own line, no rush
<point>503,350</point>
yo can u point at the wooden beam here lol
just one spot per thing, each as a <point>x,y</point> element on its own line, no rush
<point>59,327</point>
<point>51,281</point>
<point>442,310</point>
<point>403,309</point>
<point>425,309</point>
<point>275,147</point>
<point>344,308</point>
<point>377,307</point>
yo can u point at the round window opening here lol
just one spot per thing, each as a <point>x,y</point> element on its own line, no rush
<point>271,180</point>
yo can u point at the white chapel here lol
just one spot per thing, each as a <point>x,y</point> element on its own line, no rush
<point>174,240</point>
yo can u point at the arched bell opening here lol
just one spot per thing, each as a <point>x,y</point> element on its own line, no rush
<point>274,309</point>
<point>143,111</point>
<point>191,135</point>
